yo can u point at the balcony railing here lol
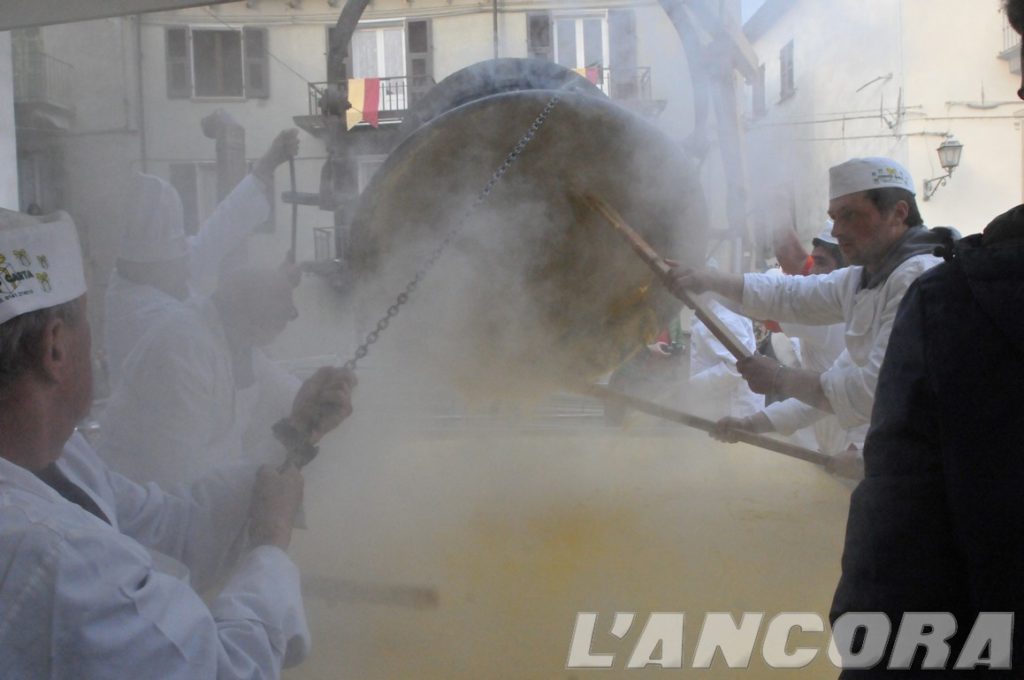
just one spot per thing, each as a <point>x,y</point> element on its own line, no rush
<point>395,96</point>
<point>42,79</point>
<point>628,83</point>
<point>631,87</point>
<point>620,83</point>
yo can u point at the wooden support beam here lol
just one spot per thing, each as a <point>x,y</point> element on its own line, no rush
<point>726,28</point>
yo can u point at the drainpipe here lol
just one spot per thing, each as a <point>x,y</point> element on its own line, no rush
<point>143,151</point>
<point>494,18</point>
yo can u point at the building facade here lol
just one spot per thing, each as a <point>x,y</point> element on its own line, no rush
<point>141,85</point>
<point>877,77</point>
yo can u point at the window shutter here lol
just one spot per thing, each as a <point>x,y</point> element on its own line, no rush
<point>420,67</point>
<point>538,36</point>
<point>179,63</point>
<point>257,66</point>
<point>622,53</point>
<point>787,82</point>
<point>337,70</point>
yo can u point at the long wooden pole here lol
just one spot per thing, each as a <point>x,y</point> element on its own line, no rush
<point>292,255</point>
<point>649,407</point>
<point>662,269</point>
<point>336,591</point>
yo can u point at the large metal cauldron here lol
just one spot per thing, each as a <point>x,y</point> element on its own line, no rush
<point>535,290</point>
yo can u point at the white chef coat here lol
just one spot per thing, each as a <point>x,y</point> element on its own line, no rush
<point>820,347</point>
<point>85,599</point>
<point>130,309</point>
<point>867,315</point>
<point>715,385</point>
<point>791,415</point>
<point>177,414</point>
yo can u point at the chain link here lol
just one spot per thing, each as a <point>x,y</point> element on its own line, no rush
<point>435,255</point>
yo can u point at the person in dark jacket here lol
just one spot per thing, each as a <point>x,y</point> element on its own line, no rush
<point>937,525</point>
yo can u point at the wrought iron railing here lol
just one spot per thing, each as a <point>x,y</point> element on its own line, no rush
<point>394,95</point>
<point>621,83</point>
<point>42,79</point>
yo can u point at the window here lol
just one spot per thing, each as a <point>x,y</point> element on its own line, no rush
<point>367,168</point>
<point>380,53</point>
<point>196,184</point>
<point>217,62</point>
<point>786,79</point>
<point>758,103</point>
<point>580,42</point>
<point>401,53</point>
<point>217,56</point>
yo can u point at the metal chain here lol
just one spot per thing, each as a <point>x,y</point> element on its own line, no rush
<point>434,256</point>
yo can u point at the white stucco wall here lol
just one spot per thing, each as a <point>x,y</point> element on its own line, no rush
<point>8,144</point>
<point>950,53</point>
<point>460,41</point>
<point>938,52</point>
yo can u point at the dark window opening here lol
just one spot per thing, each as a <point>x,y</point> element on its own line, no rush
<point>218,63</point>
<point>787,80</point>
<point>539,36</point>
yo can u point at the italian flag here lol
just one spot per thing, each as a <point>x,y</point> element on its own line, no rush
<point>364,95</point>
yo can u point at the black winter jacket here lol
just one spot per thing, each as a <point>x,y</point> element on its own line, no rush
<point>938,522</point>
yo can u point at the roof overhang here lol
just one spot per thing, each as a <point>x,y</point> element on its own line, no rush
<point>24,13</point>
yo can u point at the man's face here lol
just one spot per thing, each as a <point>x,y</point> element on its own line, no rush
<point>864,234</point>
<point>824,263</point>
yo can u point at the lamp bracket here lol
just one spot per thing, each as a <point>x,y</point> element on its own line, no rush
<point>932,185</point>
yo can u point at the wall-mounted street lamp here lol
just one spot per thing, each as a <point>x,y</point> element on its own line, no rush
<point>949,157</point>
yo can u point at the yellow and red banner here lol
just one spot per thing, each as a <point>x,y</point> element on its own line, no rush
<point>591,73</point>
<point>364,95</point>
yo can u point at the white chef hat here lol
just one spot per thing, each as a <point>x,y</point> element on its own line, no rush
<point>825,237</point>
<point>864,174</point>
<point>153,227</point>
<point>40,263</point>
